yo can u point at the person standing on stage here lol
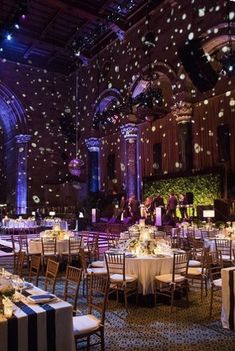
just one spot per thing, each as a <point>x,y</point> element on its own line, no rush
<point>158,201</point>
<point>172,204</point>
<point>183,206</point>
<point>134,208</point>
<point>149,210</point>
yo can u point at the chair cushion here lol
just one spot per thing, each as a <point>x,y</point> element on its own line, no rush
<point>195,270</point>
<point>194,263</point>
<point>217,283</point>
<point>85,324</point>
<point>167,278</point>
<point>98,264</point>
<point>97,270</point>
<point>118,278</point>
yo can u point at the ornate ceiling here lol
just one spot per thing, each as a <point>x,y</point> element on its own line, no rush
<point>50,33</point>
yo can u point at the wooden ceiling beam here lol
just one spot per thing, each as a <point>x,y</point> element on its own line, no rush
<point>50,22</point>
<point>28,51</point>
<point>75,10</point>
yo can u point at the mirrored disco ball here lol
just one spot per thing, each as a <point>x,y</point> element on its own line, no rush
<point>75,166</point>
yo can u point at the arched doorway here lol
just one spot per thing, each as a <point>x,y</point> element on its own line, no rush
<point>15,139</point>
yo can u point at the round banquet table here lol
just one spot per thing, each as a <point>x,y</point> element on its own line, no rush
<point>35,246</point>
<point>146,268</point>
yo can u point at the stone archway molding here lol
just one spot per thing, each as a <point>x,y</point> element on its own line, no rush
<point>14,124</point>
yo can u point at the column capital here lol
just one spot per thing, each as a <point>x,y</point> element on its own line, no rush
<point>129,131</point>
<point>182,111</point>
<point>93,144</point>
<point>22,138</point>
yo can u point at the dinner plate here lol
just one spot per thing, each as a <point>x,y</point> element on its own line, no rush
<point>28,285</point>
<point>42,298</point>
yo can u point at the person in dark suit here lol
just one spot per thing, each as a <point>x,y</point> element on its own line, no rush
<point>158,201</point>
<point>183,206</point>
<point>149,210</point>
<point>172,204</point>
<point>134,208</point>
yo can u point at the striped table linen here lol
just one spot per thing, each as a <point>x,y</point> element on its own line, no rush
<point>228,298</point>
<point>35,327</point>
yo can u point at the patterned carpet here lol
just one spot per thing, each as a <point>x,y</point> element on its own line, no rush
<point>153,328</point>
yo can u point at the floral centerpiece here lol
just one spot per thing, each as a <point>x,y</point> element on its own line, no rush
<point>59,234</point>
<point>6,291</point>
<point>141,247</point>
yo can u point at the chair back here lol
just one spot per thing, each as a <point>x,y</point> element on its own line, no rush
<point>225,247</point>
<point>23,242</point>
<point>98,287</point>
<point>20,263</point>
<point>214,264</point>
<point>49,246</point>
<point>72,282</point>
<point>75,244</point>
<point>115,263</point>
<point>180,264</point>
<point>82,259</point>
<point>93,246</point>
<point>15,243</point>
<point>34,269</point>
<point>51,275</point>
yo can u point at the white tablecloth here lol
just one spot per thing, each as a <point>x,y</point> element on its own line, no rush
<point>228,298</point>
<point>146,268</point>
<point>35,246</point>
<point>51,332</point>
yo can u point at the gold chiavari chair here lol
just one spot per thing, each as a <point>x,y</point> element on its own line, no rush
<point>51,275</point>
<point>168,284</point>
<point>119,280</point>
<point>93,323</point>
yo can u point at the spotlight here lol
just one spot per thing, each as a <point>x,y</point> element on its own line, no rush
<point>149,40</point>
<point>9,37</point>
<point>17,26</point>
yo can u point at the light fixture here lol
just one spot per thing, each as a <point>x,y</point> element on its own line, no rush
<point>76,164</point>
<point>8,37</point>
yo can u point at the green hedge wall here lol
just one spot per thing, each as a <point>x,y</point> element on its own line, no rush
<point>205,188</point>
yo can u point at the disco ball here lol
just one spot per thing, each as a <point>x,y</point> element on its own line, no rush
<point>75,166</point>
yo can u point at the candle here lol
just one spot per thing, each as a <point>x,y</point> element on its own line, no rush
<point>93,215</point>
<point>7,308</point>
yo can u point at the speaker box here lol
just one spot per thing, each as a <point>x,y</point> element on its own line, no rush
<point>223,142</point>
<point>197,65</point>
<point>221,210</point>
<point>190,198</point>
<point>201,208</point>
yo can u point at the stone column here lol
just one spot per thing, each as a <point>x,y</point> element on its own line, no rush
<point>93,145</point>
<point>183,115</point>
<point>130,133</point>
<point>21,173</point>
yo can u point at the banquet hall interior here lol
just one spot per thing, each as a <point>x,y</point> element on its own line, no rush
<point>117,175</point>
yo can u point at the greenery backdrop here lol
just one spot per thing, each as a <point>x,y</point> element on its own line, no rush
<point>205,188</point>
